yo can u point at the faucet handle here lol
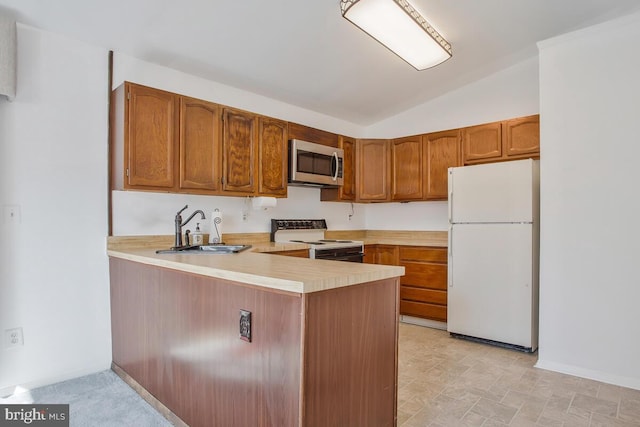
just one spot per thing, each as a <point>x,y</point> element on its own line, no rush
<point>182,210</point>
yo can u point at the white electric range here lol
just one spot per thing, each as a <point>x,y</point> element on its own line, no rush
<point>311,232</point>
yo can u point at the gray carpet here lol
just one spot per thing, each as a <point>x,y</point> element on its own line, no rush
<point>101,399</point>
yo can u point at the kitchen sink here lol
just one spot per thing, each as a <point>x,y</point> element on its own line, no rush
<point>206,249</point>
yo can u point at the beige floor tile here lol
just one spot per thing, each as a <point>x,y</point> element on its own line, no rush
<point>629,410</point>
<point>403,416</point>
<point>610,392</point>
<point>598,420</point>
<point>521,421</point>
<point>450,382</point>
<point>494,410</point>
<point>593,404</point>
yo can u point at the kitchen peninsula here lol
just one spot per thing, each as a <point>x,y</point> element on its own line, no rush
<point>319,347</point>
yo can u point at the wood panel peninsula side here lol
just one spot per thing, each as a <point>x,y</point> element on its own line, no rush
<point>323,346</point>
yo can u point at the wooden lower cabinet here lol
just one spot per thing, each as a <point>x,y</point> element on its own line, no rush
<point>381,254</point>
<point>423,288</point>
<point>326,358</point>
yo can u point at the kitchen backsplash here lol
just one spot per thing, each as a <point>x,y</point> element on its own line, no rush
<point>146,213</point>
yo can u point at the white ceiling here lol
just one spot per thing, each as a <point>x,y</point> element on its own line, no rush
<point>304,53</point>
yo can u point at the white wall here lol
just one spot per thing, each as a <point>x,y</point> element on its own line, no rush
<point>590,235</point>
<point>512,92</point>
<point>139,213</point>
<point>53,165</point>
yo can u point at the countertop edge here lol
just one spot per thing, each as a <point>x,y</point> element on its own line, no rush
<point>279,273</point>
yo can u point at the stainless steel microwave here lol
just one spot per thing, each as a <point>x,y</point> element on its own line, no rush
<point>315,164</point>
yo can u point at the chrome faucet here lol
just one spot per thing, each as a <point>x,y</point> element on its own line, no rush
<point>180,224</point>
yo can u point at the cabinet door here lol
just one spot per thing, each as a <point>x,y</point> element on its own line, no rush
<point>151,138</point>
<point>348,188</point>
<point>482,143</point>
<point>442,152</point>
<point>522,137</point>
<point>347,191</point>
<point>239,151</point>
<point>200,160</point>
<point>369,254</point>
<point>272,169</point>
<point>386,254</point>
<point>373,169</point>
<point>407,163</point>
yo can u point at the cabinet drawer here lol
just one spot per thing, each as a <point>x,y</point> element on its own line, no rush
<point>424,275</point>
<point>425,310</point>
<point>423,295</point>
<point>419,253</point>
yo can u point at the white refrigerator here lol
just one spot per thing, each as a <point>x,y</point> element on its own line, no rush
<point>493,253</point>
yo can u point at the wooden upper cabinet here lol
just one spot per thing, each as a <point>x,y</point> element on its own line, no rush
<point>151,128</point>
<point>309,134</point>
<point>272,147</point>
<point>407,165</point>
<point>482,142</point>
<point>239,147</point>
<point>522,136</point>
<point>442,152</point>
<point>348,188</point>
<point>200,131</point>
<point>347,191</point>
<point>506,140</point>
<point>373,170</point>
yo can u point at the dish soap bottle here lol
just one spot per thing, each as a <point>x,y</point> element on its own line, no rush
<point>197,238</point>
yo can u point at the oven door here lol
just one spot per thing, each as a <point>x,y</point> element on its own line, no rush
<point>317,164</point>
<point>351,254</point>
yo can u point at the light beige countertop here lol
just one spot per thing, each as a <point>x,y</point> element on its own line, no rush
<point>391,237</point>
<point>254,266</point>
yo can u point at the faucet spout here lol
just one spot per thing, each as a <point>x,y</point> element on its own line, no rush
<point>179,224</point>
<point>192,215</point>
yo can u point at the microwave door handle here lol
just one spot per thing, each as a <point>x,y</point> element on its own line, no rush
<point>335,164</point>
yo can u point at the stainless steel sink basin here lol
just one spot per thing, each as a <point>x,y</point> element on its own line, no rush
<point>206,249</point>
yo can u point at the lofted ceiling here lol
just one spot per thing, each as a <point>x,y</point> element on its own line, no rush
<point>304,53</point>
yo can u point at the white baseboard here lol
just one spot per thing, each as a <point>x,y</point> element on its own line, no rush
<point>423,322</point>
<point>589,374</point>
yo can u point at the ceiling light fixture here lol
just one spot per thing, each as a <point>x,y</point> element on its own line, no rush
<point>400,28</point>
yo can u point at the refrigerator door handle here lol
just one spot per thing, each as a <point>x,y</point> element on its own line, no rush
<point>450,260</point>
<point>450,195</point>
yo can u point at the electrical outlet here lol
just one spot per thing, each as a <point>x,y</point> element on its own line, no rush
<point>245,325</point>
<point>13,338</point>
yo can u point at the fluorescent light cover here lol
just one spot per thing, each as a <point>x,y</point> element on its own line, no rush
<point>399,27</point>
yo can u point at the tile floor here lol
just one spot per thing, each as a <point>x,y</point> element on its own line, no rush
<point>445,382</point>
